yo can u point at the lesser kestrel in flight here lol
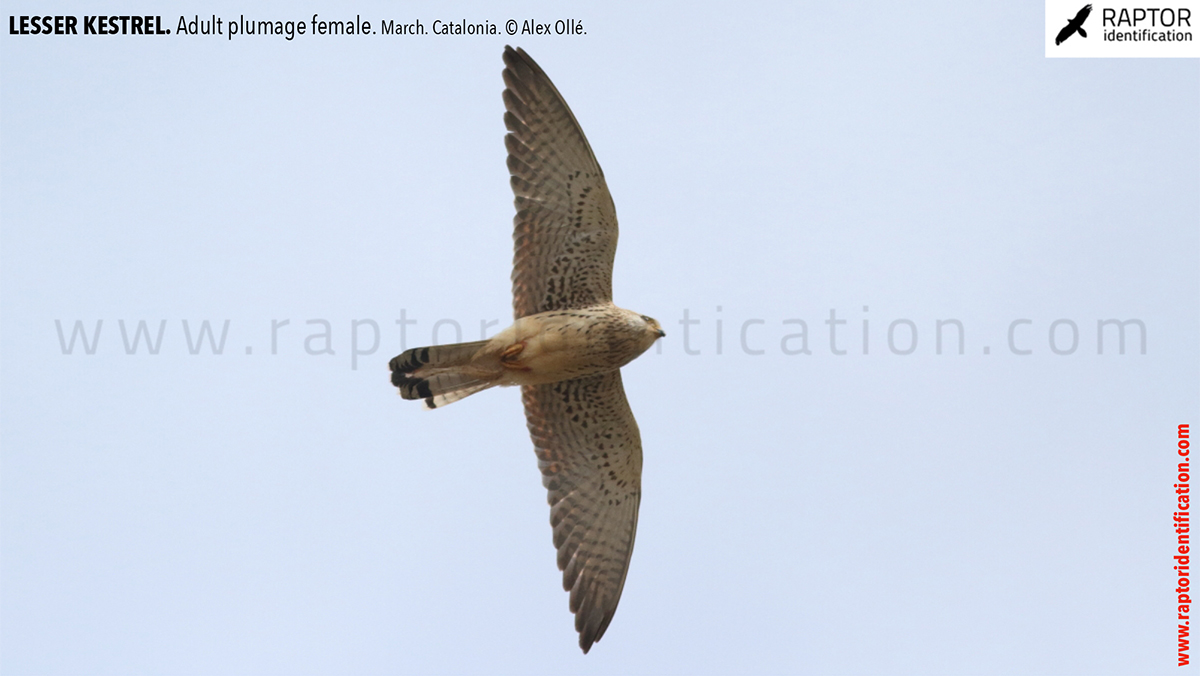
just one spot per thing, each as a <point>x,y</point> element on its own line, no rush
<point>565,348</point>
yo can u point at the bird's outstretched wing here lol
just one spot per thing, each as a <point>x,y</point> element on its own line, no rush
<point>590,454</point>
<point>565,230</point>
<point>1064,33</point>
<point>1082,15</point>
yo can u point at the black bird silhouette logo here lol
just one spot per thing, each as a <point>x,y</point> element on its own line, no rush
<point>1074,25</point>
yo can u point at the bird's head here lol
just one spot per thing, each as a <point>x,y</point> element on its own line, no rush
<point>645,330</point>
<point>653,327</point>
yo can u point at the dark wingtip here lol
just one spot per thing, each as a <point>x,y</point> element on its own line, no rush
<point>515,58</point>
<point>511,56</point>
<point>589,636</point>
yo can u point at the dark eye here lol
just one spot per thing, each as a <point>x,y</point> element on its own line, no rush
<point>646,319</point>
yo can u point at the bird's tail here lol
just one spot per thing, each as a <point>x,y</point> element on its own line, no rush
<point>439,374</point>
<point>1082,33</point>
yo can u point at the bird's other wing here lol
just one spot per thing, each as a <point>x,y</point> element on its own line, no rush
<point>1082,15</point>
<point>590,454</point>
<point>565,230</point>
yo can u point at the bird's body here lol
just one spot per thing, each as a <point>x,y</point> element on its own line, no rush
<point>565,348</point>
<point>542,348</point>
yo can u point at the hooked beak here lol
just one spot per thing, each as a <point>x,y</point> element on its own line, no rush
<point>662,334</point>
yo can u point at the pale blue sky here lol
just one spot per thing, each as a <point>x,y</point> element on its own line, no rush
<point>288,513</point>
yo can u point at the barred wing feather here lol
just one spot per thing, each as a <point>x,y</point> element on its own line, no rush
<point>565,230</point>
<point>590,454</point>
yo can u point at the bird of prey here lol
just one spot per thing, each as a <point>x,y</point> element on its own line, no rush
<point>565,347</point>
<point>1074,25</point>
